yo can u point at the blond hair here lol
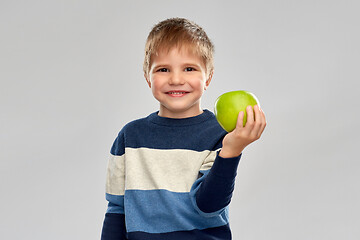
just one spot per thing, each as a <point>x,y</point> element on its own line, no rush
<point>178,32</point>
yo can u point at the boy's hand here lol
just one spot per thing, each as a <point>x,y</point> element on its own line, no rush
<point>234,142</point>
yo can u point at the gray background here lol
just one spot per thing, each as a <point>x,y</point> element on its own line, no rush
<point>71,77</point>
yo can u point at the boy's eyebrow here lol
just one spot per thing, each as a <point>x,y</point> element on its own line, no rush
<point>192,64</point>
<point>158,65</point>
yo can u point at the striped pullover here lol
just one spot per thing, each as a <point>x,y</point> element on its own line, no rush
<point>165,180</point>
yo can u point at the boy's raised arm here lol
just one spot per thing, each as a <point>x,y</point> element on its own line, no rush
<point>215,190</point>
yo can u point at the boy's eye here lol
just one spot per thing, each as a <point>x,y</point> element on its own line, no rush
<point>163,70</point>
<point>189,69</point>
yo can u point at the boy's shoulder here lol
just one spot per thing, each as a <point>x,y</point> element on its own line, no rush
<point>136,123</point>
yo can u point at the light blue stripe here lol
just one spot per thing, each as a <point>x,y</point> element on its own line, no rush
<point>116,203</point>
<point>159,211</point>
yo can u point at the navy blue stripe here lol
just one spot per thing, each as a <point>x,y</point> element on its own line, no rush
<point>118,147</point>
<point>114,227</point>
<point>150,132</point>
<point>217,233</point>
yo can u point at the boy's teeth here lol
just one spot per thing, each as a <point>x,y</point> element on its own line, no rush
<point>176,92</point>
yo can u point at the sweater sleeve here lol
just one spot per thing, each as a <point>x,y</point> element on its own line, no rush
<point>114,222</point>
<point>213,191</point>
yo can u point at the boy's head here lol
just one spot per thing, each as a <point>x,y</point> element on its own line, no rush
<point>179,33</point>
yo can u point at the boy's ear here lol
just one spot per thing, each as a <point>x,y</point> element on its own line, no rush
<point>207,83</point>
<point>147,80</point>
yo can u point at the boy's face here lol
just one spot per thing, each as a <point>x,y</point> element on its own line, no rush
<point>178,79</point>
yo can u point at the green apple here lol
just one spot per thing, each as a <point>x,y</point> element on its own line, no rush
<point>228,106</point>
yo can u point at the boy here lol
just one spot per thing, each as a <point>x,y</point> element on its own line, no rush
<point>171,175</point>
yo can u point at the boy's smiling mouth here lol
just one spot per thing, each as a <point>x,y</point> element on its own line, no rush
<point>177,93</point>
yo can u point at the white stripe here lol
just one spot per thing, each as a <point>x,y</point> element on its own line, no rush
<point>174,170</point>
<point>115,179</point>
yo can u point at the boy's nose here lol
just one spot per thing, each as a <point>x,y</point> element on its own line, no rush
<point>176,79</point>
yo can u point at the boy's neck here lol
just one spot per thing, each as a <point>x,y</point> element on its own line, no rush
<point>163,112</point>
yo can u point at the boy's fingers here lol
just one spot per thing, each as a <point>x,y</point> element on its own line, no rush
<point>263,114</point>
<point>263,121</point>
<point>240,119</point>
<point>250,115</point>
<point>258,120</point>
<point>257,113</point>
